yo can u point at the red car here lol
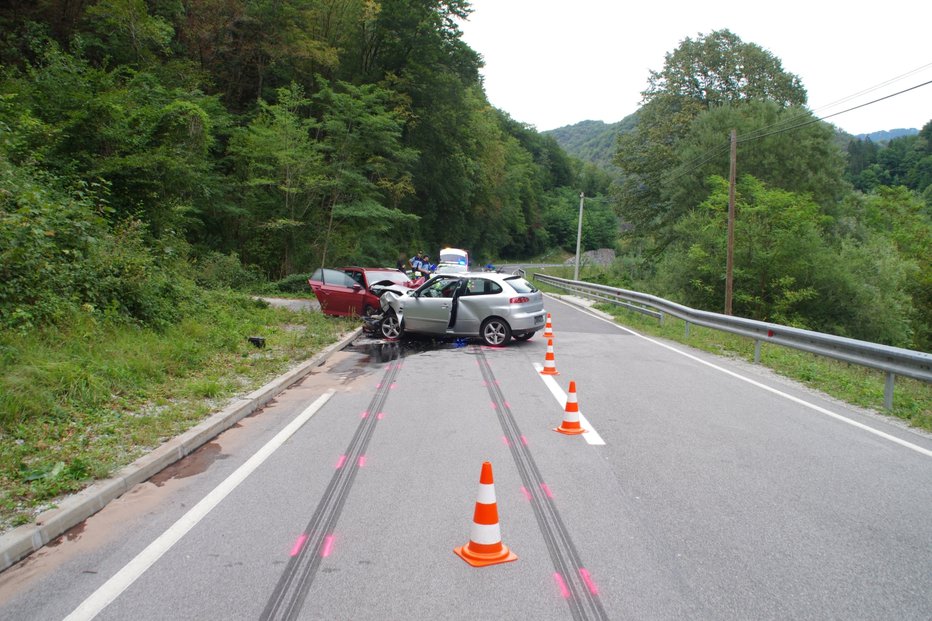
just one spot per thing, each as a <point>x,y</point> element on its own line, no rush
<point>354,290</point>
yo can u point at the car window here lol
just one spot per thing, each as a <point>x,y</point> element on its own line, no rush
<point>334,278</point>
<point>481,286</point>
<point>356,276</point>
<point>439,288</point>
<point>520,285</point>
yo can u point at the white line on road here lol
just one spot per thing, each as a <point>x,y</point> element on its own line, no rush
<point>592,436</point>
<point>780,393</point>
<point>113,587</point>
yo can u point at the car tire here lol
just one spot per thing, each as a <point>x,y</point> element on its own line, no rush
<point>522,337</point>
<point>495,332</point>
<point>391,327</point>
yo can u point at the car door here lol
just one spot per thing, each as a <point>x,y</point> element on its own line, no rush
<point>477,302</point>
<point>336,291</point>
<point>428,310</point>
<point>358,288</point>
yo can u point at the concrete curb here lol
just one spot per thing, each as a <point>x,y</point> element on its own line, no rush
<point>71,511</point>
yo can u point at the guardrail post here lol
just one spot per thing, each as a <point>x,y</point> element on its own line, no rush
<point>687,330</point>
<point>756,351</point>
<point>888,391</point>
<point>661,317</point>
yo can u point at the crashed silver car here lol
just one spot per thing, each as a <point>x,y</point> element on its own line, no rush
<point>493,307</point>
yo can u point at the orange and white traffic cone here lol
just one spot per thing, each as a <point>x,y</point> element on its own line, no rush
<point>550,365</point>
<point>571,425</point>
<point>548,328</point>
<point>485,545</point>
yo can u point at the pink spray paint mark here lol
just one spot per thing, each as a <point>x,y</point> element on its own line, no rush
<point>328,547</point>
<point>527,494</point>
<point>546,489</point>
<point>296,549</point>
<point>341,461</point>
<point>505,440</point>
<point>362,461</point>
<point>381,415</point>
<point>523,440</point>
<point>494,407</point>
<point>392,387</point>
<point>565,592</point>
<point>588,580</point>
<point>364,415</point>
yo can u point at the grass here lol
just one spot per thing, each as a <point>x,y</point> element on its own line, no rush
<point>81,400</point>
<point>853,384</point>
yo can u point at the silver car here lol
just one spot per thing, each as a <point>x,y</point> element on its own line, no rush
<point>494,307</point>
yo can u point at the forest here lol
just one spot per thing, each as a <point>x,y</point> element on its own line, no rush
<point>153,148</point>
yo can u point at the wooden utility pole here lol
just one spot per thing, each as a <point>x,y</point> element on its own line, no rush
<point>730,253</point>
<point>582,198</point>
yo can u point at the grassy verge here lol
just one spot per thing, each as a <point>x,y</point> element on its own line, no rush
<point>81,400</point>
<point>853,384</point>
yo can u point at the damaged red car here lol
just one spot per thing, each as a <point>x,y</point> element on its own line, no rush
<point>347,291</point>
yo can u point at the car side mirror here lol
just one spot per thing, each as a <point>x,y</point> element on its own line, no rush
<point>357,288</point>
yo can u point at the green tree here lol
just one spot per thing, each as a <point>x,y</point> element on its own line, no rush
<point>282,170</point>
<point>793,152</point>
<point>365,166</point>
<point>714,70</point>
<point>786,271</point>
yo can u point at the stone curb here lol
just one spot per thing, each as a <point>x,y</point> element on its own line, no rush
<point>72,510</point>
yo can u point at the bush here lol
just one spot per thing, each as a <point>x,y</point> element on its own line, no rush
<point>58,254</point>
<point>295,283</point>
<point>224,271</point>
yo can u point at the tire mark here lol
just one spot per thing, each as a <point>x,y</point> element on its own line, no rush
<point>571,575</point>
<point>315,542</point>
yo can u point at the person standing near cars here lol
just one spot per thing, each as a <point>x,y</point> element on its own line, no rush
<point>416,263</point>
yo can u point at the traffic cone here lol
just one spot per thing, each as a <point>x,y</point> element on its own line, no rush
<point>485,545</point>
<point>550,365</point>
<point>548,328</point>
<point>570,424</point>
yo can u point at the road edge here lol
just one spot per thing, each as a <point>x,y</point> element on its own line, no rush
<point>22,541</point>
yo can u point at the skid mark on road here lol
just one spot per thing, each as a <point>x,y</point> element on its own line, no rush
<point>317,540</point>
<point>574,581</point>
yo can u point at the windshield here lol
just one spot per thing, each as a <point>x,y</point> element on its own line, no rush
<point>399,278</point>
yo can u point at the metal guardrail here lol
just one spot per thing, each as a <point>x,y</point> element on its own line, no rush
<point>891,360</point>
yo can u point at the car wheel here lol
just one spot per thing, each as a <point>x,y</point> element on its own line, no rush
<point>523,337</point>
<point>495,332</point>
<point>390,326</point>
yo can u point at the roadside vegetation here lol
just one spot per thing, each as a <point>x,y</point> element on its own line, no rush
<point>849,383</point>
<point>90,394</point>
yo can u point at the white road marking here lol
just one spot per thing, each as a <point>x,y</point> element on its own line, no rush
<point>780,393</point>
<point>592,436</point>
<point>121,581</point>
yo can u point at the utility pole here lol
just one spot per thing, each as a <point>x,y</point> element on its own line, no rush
<point>730,252</point>
<point>578,235</point>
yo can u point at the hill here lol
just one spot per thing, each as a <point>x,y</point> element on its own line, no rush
<point>592,141</point>
<point>888,134</point>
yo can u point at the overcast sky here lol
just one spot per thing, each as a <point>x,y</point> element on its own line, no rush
<point>552,63</point>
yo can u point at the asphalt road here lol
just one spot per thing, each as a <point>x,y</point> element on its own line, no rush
<point>717,492</point>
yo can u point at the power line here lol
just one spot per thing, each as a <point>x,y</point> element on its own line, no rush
<point>828,116</point>
<point>700,160</point>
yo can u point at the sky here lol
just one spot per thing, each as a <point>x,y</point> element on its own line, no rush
<point>551,63</point>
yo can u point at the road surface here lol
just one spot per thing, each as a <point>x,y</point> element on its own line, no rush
<point>705,489</point>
